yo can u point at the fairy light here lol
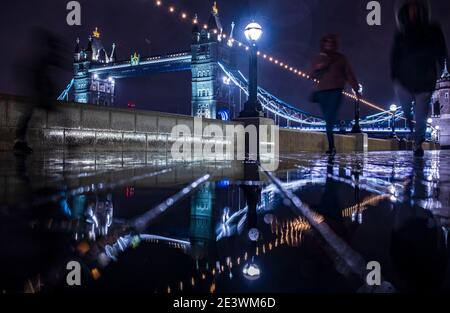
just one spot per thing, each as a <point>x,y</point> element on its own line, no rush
<point>271,59</point>
<point>212,289</point>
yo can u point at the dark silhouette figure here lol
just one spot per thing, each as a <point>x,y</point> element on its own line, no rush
<point>333,71</point>
<point>418,248</point>
<point>419,48</point>
<point>418,253</point>
<point>38,77</point>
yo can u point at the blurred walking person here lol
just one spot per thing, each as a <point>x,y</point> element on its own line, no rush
<point>333,71</point>
<point>419,48</point>
<point>38,77</point>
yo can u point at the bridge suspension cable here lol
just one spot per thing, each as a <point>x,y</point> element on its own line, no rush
<point>65,93</point>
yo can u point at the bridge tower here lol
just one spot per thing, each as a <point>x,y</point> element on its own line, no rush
<point>207,51</point>
<point>201,220</point>
<point>91,88</point>
<point>81,64</point>
<point>441,107</point>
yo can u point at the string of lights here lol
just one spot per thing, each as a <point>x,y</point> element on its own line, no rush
<point>232,42</point>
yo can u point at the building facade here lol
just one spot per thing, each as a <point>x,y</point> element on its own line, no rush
<point>441,108</point>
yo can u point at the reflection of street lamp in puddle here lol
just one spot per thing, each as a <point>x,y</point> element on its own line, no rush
<point>268,218</point>
<point>251,270</point>
<point>253,234</point>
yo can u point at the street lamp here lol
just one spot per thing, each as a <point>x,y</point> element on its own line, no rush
<point>393,108</point>
<point>356,127</point>
<point>252,108</point>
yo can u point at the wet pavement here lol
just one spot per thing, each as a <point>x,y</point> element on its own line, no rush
<point>144,223</point>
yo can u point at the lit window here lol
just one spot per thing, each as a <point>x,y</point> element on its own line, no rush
<point>446,95</point>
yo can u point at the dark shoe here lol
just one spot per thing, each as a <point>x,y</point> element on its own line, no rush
<point>331,151</point>
<point>22,147</point>
<point>419,153</point>
<point>418,150</point>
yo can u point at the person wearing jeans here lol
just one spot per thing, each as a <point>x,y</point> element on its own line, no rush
<point>420,102</point>
<point>333,72</point>
<point>330,102</point>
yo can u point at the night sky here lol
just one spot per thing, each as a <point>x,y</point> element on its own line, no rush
<point>292,29</point>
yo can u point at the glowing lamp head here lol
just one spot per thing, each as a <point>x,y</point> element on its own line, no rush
<point>438,127</point>
<point>430,121</point>
<point>251,271</point>
<point>393,108</point>
<point>253,32</point>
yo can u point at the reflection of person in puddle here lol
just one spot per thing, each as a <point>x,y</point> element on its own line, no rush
<point>418,252</point>
<point>417,242</point>
<point>329,203</point>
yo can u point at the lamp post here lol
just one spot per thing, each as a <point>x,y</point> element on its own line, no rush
<point>393,108</point>
<point>438,129</point>
<point>430,127</point>
<point>252,108</point>
<point>356,129</point>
